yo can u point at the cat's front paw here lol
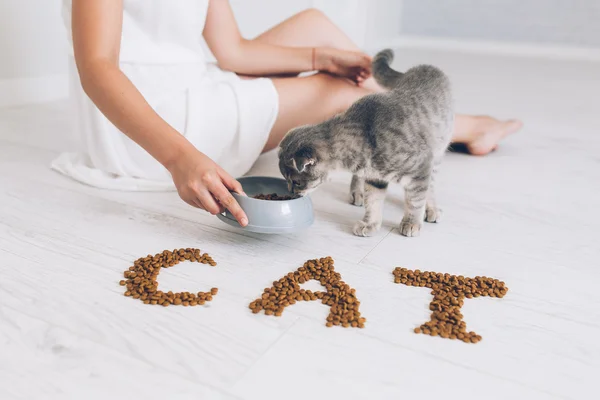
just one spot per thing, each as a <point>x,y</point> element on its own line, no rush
<point>410,228</point>
<point>357,198</point>
<point>433,214</point>
<point>362,228</point>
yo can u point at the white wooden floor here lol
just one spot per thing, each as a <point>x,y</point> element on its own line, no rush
<point>527,214</point>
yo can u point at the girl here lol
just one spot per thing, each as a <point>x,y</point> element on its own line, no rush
<point>153,111</point>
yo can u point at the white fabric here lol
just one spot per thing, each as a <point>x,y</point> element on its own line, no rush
<point>162,53</point>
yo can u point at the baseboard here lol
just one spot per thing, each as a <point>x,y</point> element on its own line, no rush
<point>33,90</point>
<point>488,47</point>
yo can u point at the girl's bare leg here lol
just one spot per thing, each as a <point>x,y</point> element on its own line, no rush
<point>318,97</point>
<point>310,100</point>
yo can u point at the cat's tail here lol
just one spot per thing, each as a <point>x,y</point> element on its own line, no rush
<point>382,72</point>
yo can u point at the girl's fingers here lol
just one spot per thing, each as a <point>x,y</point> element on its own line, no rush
<point>208,202</point>
<point>197,204</point>
<point>192,203</point>
<point>231,183</point>
<point>223,196</point>
<point>365,63</point>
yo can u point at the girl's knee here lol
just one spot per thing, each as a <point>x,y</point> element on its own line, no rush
<point>313,14</point>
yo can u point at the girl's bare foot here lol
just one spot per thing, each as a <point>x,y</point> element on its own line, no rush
<point>487,132</point>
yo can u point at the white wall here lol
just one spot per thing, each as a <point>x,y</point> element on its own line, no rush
<point>32,51</point>
<point>550,22</point>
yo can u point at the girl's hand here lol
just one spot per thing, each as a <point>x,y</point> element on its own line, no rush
<point>202,183</point>
<point>353,65</point>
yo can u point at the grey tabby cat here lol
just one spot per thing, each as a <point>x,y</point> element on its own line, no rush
<point>399,135</point>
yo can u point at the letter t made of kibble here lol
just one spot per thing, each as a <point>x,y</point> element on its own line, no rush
<point>449,292</point>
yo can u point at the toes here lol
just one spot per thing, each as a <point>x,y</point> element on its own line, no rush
<point>433,214</point>
<point>513,125</point>
<point>362,228</point>
<point>410,229</point>
<point>491,134</point>
<point>356,198</point>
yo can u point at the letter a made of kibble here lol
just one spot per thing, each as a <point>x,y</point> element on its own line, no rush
<point>344,306</point>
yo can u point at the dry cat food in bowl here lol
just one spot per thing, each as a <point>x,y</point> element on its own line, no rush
<point>287,214</point>
<point>274,196</point>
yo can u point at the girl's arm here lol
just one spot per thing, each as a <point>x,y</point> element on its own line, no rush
<point>250,57</point>
<point>96,27</point>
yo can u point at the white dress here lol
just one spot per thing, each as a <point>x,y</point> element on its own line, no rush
<point>164,55</point>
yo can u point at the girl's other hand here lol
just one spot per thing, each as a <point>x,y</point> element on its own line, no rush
<point>353,65</point>
<point>202,183</point>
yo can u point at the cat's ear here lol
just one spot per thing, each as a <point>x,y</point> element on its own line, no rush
<point>301,163</point>
<point>303,158</point>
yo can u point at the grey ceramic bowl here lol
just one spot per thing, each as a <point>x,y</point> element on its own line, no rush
<point>270,216</point>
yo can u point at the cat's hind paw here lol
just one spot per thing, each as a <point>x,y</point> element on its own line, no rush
<point>410,228</point>
<point>433,214</point>
<point>357,198</point>
<point>362,228</point>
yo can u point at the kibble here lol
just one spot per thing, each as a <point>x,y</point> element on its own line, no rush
<point>141,278</point>
<point>274,196</point>
<point>449,292</point>
<point>339,296</point>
